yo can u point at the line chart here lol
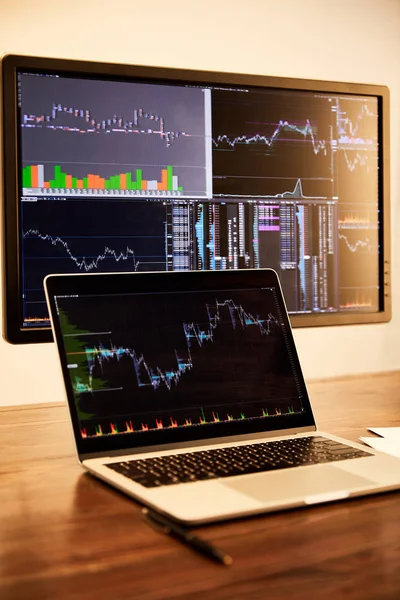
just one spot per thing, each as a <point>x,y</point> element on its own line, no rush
<point>348,128</point>
<point>364,244</point>
<point>360,160</point>
<point>295,193</point>
<point>306,131</point>
<point>195,335</point>
<point>84,264</point>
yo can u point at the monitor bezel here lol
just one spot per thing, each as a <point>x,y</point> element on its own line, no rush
<point>13,331</point>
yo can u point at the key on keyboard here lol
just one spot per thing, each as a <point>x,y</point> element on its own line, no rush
<point>237,460</point>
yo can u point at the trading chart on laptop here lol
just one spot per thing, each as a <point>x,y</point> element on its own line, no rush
<point>141,362</point>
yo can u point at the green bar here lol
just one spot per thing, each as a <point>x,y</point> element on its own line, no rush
<point>169,178</point>
<point>128,181</point>
<point>134,186</point>
<point>26,177</point>
<point>118,181</point>
<point>57,177</point>
<point>74,182</point>
<point>107,184</point>
<point>180,189</point>
<point>85,183</point>
<point>138,179</point>
<point>63,180</point>
<point>53,183</point>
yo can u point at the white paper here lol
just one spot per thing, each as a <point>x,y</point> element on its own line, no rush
<point>392,433</point>
<point>388,445</point>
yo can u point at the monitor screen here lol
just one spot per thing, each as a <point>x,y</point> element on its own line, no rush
<point>116,168</point>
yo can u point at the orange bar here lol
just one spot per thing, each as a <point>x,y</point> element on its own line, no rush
<point>90,181</point>
<point>79,184</point>
<point>96,182</point>
<point>163,184</point>
<point>46,184</point>
<point>102,183</point>
<point>34,176</point>
<point>144,184</point>
<point>68,181</point>
<point>122,181</point>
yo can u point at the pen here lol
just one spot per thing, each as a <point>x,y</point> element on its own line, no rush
<point>185,536</point>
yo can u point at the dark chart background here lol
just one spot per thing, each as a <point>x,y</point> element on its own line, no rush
<point>113,344</point>
<point>294,177</point>
<point>86,237</point>
<point>309,162</point>
<point>356,167</point>
<point>264,142</point>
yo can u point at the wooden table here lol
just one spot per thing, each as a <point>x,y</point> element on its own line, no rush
<point>64,534</point>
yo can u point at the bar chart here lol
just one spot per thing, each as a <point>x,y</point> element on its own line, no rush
<point>63,183</point>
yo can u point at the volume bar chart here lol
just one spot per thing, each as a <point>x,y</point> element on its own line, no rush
<point>123,184</point>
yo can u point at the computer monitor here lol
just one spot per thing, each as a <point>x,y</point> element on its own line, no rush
<point>112,167</point>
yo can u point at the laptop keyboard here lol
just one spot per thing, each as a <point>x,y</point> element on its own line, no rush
<point>236,460</point>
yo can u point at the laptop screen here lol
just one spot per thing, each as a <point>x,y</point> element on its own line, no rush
<point>145,363</point>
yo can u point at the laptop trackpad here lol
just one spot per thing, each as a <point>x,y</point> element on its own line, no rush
<point>294,483</point>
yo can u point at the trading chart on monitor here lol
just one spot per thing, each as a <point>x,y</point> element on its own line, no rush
<point>140,176</point>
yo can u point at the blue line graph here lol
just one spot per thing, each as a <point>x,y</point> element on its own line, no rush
<point>195,335</point>
<point>84,264</point>
<point>306,131</point>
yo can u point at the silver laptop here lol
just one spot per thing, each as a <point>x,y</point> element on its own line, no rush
<point>185,391</point>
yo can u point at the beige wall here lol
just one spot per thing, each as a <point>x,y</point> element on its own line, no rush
<point>345,40</point>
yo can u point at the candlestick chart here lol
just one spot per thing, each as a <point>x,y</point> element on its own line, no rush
<point>112,139</point>
<point>216,361</point>
<point>85,122</point>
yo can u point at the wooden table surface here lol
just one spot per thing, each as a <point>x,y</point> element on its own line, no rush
<point>63,534</point>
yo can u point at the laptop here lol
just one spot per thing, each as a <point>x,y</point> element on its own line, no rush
<point>185,391</point>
